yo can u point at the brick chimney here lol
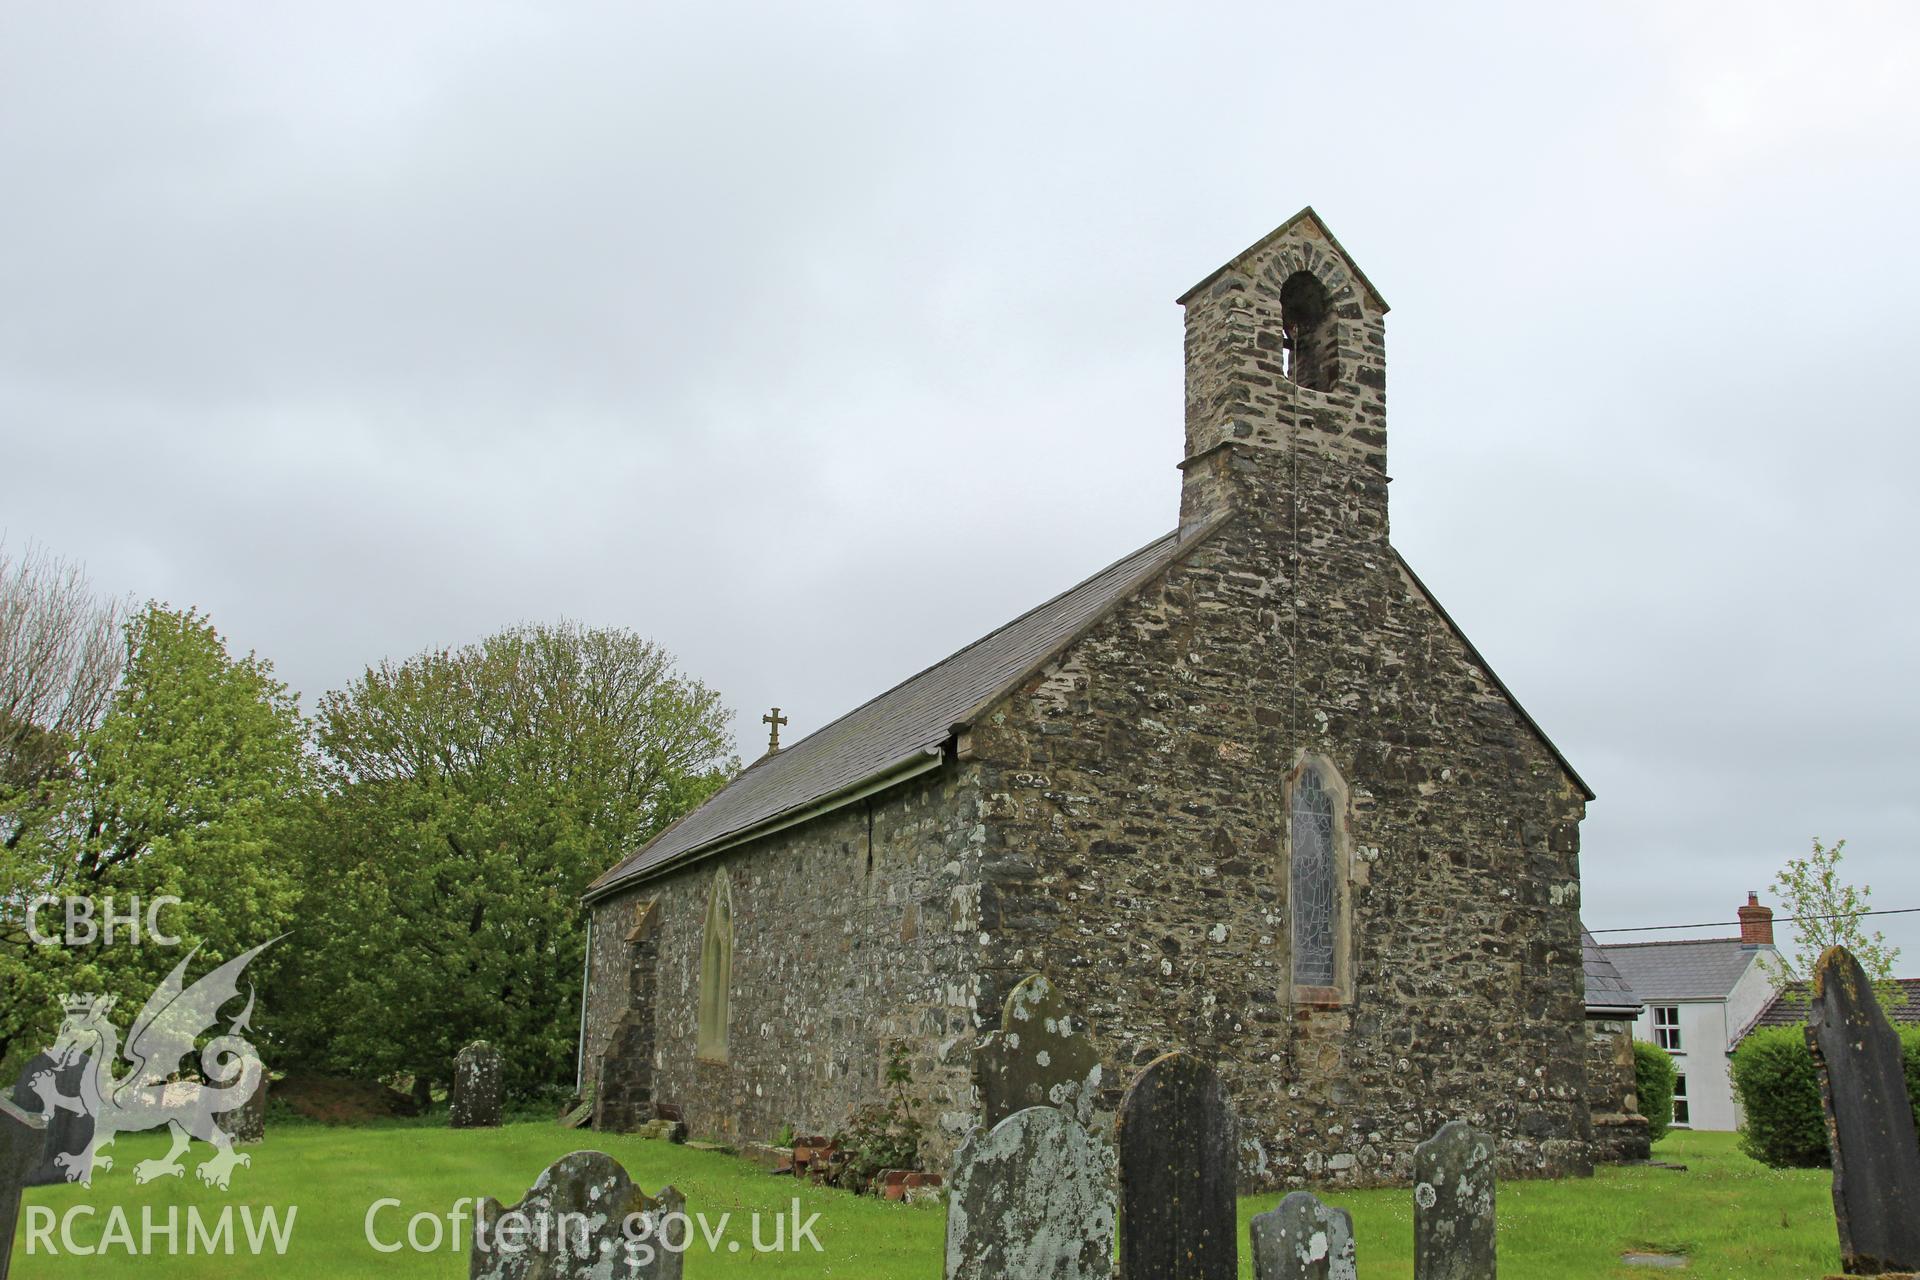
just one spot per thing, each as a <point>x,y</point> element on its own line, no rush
<point>1756,922</point>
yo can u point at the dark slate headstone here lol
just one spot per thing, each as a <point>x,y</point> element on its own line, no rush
<point>1453,1205</point>
<point>23,1143</point>
<point>1863,1090</point>
<point>582,1220</point>
<point>1303,1239</point>
<point>1178,1166</point>
<point>67,1133</point>
<point>1032,1197</point>
<point>474,1100</point>
<point>1041,1056</point>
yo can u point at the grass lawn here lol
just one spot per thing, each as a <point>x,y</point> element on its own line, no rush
<point>1730,1216</point>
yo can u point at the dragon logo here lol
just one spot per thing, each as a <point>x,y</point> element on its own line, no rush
<point>159,1044</point>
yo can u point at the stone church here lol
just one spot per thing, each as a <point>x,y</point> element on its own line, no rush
<point>1248,791</point>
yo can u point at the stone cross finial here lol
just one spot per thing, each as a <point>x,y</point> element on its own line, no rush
<point>773,735</point>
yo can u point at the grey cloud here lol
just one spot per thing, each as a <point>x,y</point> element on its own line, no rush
<point>814,342</point>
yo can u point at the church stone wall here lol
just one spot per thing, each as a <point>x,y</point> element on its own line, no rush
<point>1135,836</point>
<point>1620,1132</point>
<point>1119,822</point>
<point>850,931</point>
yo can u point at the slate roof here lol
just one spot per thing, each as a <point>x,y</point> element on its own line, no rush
<point>1606,989</point>
<point>888,739</point>
<point>1684,969</point>
<point>1788,1008</point>
<point>910,722</point>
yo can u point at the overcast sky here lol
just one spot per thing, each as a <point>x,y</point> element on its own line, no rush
<point>814,341</point>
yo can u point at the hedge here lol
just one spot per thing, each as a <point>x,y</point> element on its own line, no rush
<point>1773,1074</point>
<point>1653,1083</point>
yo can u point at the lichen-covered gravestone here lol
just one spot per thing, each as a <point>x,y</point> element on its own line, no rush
<point>23,1141</point>
<point>1863,1091</point>
<point>1031,1198</point>
<point>247,1123</point>
<point>1453,1205</point>
<point>583,1219</point>
<point>1303,1239</point>
<point>1178,1166</point>
<point>67,1132</point>
<point>1041,1056</point>
<point>475,1096</point>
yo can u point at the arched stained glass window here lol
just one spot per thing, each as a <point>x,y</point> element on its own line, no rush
<point>716,971</point>
<point>1311,886</point>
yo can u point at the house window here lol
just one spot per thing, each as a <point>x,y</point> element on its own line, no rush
<point>1680,1098</point>
<point>716,971</point>
<point>1312,881</point>
<point>1666,1027</point>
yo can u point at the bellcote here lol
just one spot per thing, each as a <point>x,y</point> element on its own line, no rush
<point>1285,360</point>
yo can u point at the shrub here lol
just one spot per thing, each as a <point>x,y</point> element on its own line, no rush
<point>1779,1090</point>
<point>881,1135</point>
<point>1910,1051</point>
<point>1779,1093</point>
<point>1653,1083</point>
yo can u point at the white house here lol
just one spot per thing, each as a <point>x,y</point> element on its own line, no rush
<point>1699,996</point>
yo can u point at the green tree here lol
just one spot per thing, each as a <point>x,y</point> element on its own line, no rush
<point>471,795</point>
<point>182,789</point>
<point>1829,912</point>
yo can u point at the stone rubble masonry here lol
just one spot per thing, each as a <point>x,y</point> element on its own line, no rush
<point>1117,822</point>
<point>623,1081</point>
<point>1621,1134</point>
<point>851,931</point>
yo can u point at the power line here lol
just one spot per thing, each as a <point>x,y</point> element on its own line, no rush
<point>1721,924</point>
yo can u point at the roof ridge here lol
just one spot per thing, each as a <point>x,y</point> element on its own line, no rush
<point>1486,669</point>
<point>971,644</point>
<point>918,714</point>
<point>1676,942</point>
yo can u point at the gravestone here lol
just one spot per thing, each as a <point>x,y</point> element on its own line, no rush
<point>1863,1092</point>
<point>1041,1056</point>
<point>1303,1239</point>
<point>1453,1205</point>
<point>475,1097</point>
<point>23,1143</point>
<point>1031,1198</point>
<point>66,1133</point>
<point>583,1219</point>
<point>1178,1160</point>
<point>246,1124</point>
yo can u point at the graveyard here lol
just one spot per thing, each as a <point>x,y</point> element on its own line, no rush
<point>1049,1186</point>
<point>1728,1215</point>
<point>644,641</point>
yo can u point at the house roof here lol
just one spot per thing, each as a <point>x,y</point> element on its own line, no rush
<point>886,738</point>
<point>1790,1004</point>
<point>1607,990</point>
<point>1683,969</point>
